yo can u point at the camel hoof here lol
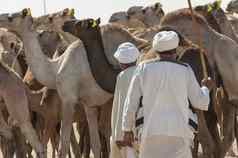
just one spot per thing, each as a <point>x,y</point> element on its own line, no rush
<point>42,155</point>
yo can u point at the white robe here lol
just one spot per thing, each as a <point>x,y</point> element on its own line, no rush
<point>123,82</point>
<point>166,88</point>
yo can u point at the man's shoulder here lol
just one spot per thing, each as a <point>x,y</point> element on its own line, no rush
<point>180,63</point>
<point>127,71</point>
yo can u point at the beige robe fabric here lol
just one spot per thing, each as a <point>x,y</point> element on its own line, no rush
<point>165,147</point>
<point>123,82</point>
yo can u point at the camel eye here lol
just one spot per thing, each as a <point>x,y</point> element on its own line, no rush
<point>10,18</point>
<point>143,11</point>
<point>50,18</point>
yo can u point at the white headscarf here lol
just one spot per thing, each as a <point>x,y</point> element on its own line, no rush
<point>127,53</point>
<point>165,40</point>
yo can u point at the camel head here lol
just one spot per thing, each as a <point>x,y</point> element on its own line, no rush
<point>149,15</point>
<point>9,41</point>
<point>49,40</point>
<point>153,14</point>
<point>82,28</point>
<point>54,21</point>
<point>212,13</point>
<point>17,22</point>
<point>232,6</point>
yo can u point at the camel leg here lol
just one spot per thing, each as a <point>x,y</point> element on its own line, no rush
<point>20,150</point>
<point>204,136</point>
<point>30,134</point>
<point>74,144</point>
<point>5,130</point>
<point>229,125</point>
<point>55,142</point>
<point>66,128</point>
<point>195,147</point>
<point>211,123</point>
<point>87,144</point>
<point>236,128</point>
<point>92,117</point>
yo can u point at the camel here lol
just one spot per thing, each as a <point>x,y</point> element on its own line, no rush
<point>232,6</point>
<point>84,30</point>
<point>213,52</point>
<point>214,55</point>
<point>220,19</point>
<point>139,17</point>
<point>60,74</point>
<point>113,35</point>
<point>14,93</point>
<point>216,16</point>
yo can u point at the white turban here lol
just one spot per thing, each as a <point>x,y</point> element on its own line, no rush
<point>165,41</point>
<point>127,53</point>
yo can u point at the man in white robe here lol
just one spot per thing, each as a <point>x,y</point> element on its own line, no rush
<point>166,86</point>
<point>126,55</point>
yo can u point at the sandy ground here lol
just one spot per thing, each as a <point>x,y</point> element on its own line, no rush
<point>49,152</point>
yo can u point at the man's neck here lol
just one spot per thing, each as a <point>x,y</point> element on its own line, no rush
<point>168,57</point>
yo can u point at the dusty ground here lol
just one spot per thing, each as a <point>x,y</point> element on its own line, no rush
<point>49,155</point>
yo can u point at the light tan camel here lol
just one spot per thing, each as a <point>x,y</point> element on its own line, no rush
<point>60,74</point>
<point>9,46</point>
<point>139,16</point>
<point>112,36</point>
<point>14,93</point>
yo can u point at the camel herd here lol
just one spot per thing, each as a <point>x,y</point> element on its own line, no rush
<point>57,71</point>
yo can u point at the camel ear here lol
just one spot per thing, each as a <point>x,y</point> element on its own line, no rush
<point>217,4</point>
<point>51,18</point>
<point>24,12</point>
<point>28,11</point>
<point>71,12</point>
<point>144,11</point>
<point>12,45</point>
<point>157,6</point>
<point>98,21</point>
<point>65,12</point>
<point>209,8</point>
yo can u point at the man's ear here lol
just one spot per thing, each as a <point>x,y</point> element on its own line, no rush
<point>98,21</point>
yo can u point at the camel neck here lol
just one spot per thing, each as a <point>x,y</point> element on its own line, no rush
<point>39,64</point>
<point>68,37</point>
<point>225,26</point>
<point>103,72</point>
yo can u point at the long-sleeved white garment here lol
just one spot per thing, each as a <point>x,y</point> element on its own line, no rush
<point>123,82</point>
<point>166,88</point>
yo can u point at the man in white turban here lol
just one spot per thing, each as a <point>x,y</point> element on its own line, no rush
<point>166,86</point>
<point>126,55</point>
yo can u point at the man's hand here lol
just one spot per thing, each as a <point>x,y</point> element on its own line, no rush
<point>128,138</point>
<point>209,83</point>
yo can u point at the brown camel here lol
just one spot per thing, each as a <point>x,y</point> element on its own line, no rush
<point>219,21</point>
<point>14,93</point>
<point>223,61</point>
<point>232,6</point>
<point>214,53</point>
<point>61,74</point>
